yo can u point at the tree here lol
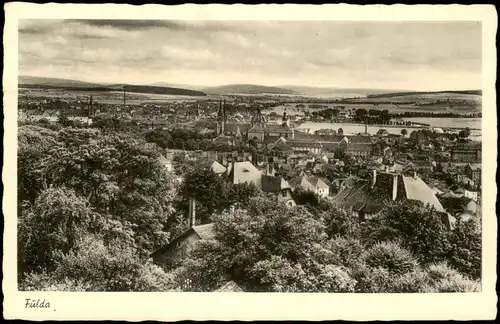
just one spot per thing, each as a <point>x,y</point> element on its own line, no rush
<point>339,223</point>
<point>159,137</point>
<point>464,133</point>
<point>207,188</point>
<point>404,132</point>
<point>267,247</point>
<point>419,228</point>
<point>465,254</point>
<point>53,224</point>
<point>64,121</point>
<point>116,174</point>
<point>96,266</point>
<point>340,131</point>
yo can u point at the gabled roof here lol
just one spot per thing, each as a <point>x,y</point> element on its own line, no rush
<point>237,169</point>
<point>359,139</point>
<point>223,139</point>
<point>375,198</point>
<point>474,166</point>
<point>218,168</point>
<point>359,147</point>
<point>278,129</point>
<point>205,232</point>
<point>256,129</point>
<point>229,286</point>
<point>274,184</point>
<point>304,143</point>
<point>317,183</point>
<point>417,189</point>
<point>332,138</point>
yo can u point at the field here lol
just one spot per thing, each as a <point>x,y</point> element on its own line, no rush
<point>108,97</point>
<point>437,108</point>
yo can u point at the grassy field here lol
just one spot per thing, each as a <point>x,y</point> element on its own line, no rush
<point>109,97</point>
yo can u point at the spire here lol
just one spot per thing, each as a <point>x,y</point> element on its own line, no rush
<point>221,119</point>
<point>285,121</point>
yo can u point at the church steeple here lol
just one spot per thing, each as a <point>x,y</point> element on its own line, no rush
<point>258,119</point>
<point>221,118</point>
<point>285,121</point>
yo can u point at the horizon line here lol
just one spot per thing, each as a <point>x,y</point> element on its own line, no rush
<point>152,83</point>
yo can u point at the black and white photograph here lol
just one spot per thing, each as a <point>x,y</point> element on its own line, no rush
<point>250,156</point>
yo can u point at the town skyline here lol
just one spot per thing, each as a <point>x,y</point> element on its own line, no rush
<point>423,56</point>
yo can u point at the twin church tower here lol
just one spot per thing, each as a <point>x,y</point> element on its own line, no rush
<point>257,122</point>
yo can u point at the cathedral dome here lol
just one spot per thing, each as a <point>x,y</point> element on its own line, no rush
<point>258,118</point>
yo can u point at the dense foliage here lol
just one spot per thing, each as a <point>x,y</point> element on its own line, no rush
<point>79,182</point>
<point>94,203</point>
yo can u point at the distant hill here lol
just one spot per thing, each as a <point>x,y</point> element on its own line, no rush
<point>423,93</point>
<point>162,90</point>
<point>306,90</point>
<point>247,89</point>
<point>74,85</point>
<point>175,85</point>
<point>32,80</point>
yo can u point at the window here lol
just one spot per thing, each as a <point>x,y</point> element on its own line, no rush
<point>283,193</point>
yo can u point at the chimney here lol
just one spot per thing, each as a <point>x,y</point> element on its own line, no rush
<point>192,212</point>
<point>374,177</point>
<point>394,187</point>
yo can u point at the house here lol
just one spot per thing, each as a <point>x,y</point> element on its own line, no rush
<point>357,146</point>
<point>474,195</point>
<point>367,198</point>
<point>229,286</point>
<point>419,137</point>
<point>313,184</point>
<point>473,171</point>
<point>466,152</point>
<point>246,172</point>
<point>167,164</point>
<point>304,145</point>
<point>279,187</point>
<point>468,204</point>
<point>179,247</point>
<point>460,204</point>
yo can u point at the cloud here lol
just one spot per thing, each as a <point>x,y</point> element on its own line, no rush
<point>280,52</point>
<point>129,24</point>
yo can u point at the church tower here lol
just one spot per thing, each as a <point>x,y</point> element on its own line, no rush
<point>258,119</point>
<point>285,121</point>
<point>221,119</point>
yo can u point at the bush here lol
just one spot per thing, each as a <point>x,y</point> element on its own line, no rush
<point>346,251</point>
<point>391,257</point>
<point>446,279</point>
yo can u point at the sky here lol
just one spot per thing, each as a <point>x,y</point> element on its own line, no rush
<point>377,55</point>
